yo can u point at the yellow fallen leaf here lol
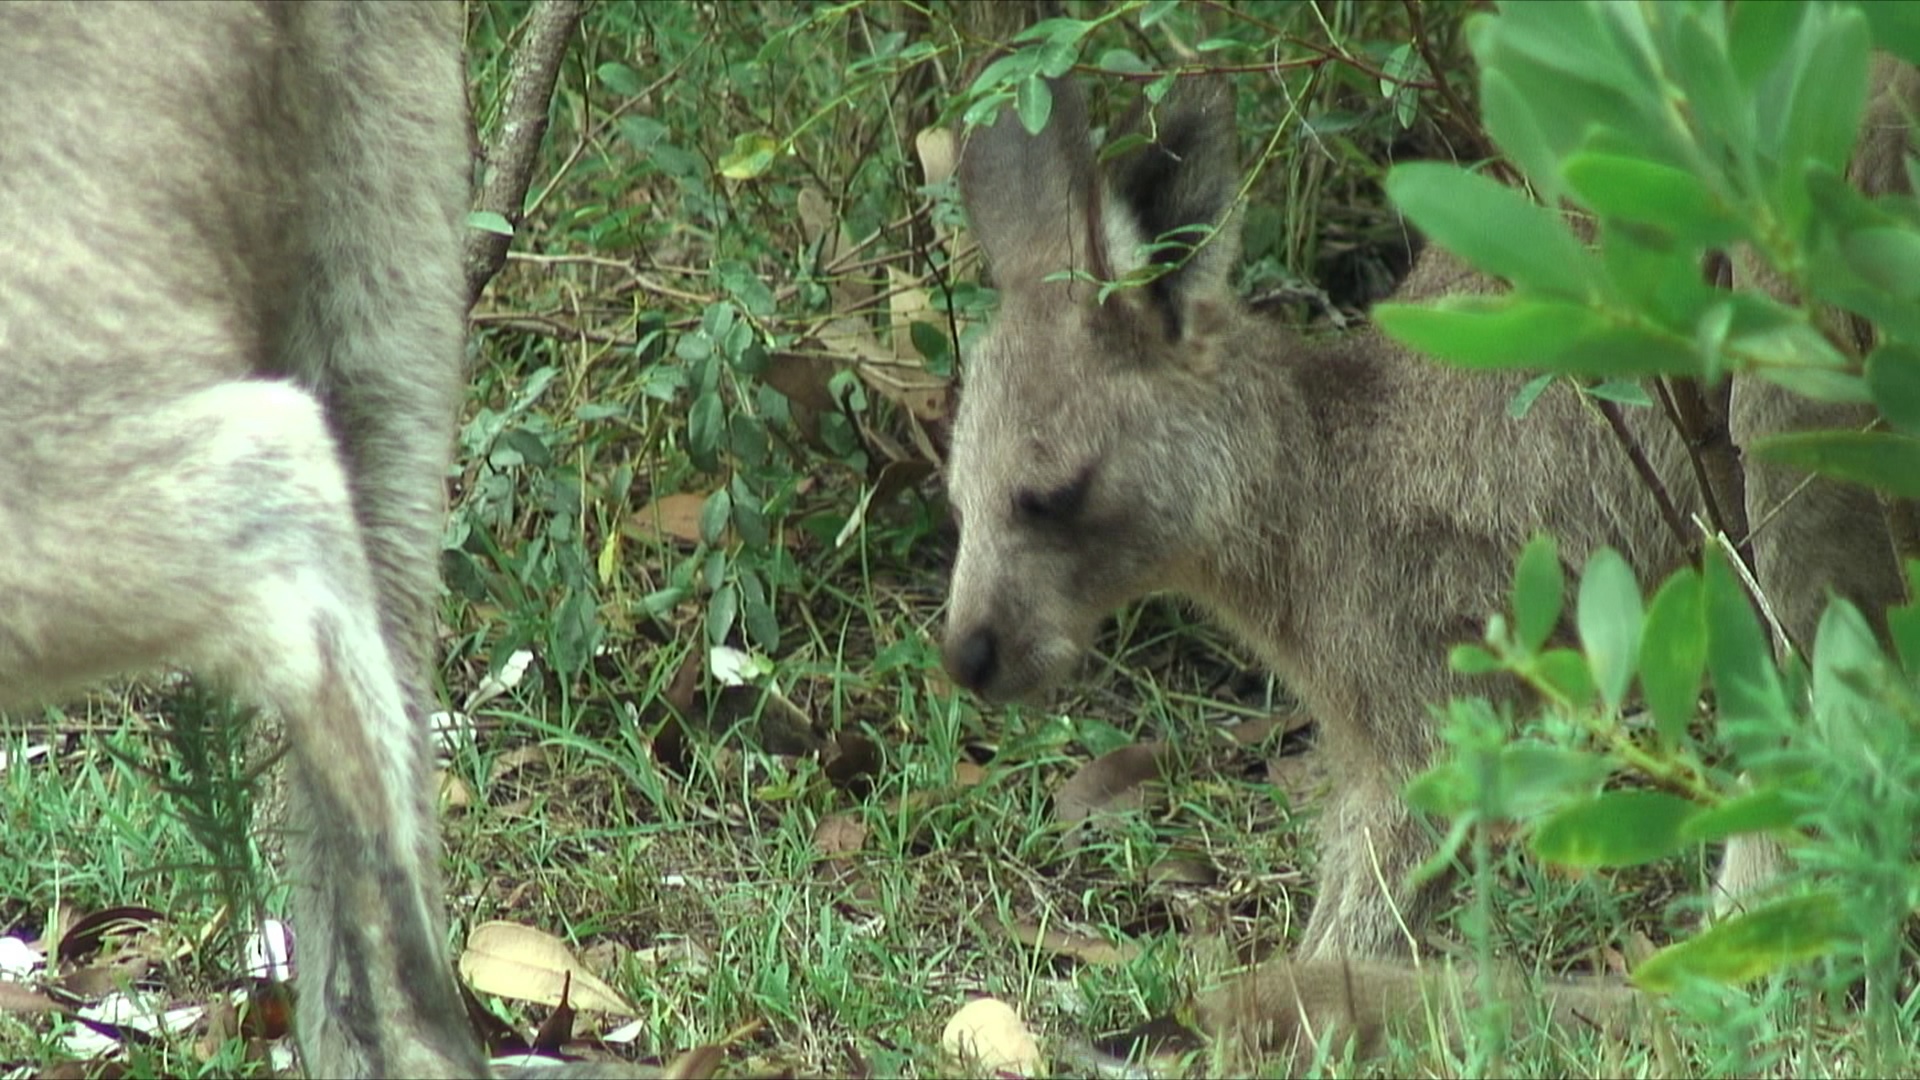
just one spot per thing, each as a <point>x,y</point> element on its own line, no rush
<point>519,962</point>
<point>990,1034</point>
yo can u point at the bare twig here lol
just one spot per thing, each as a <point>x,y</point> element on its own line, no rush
<point>1638,456</point>
<point>510,159</point>
<point>1699,416</point>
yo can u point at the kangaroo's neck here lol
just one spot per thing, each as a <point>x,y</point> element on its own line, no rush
<point>1306,408</point>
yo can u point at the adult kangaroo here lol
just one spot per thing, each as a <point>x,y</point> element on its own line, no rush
<point>231,318</point>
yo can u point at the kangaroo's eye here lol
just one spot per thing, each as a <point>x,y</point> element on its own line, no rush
<point>1055,506</point>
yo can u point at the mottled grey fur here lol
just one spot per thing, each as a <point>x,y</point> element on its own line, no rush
<point>231,313</point>
<point>1346,507</point>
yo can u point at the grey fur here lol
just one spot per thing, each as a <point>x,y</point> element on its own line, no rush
<point>1347,508</point>
<point>231,318</point>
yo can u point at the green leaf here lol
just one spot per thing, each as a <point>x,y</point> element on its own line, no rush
<point>1829,92</point>
<point>1535,779</point>
<point>930,343</point>
<point>1123,62</point>
<point>1659,278</point>
<point>1888,258</point>
<point>1615,828</point>
<point>1627,352</point>
<point>1511,121</point>
<point>1760,811</point>
<point>1746,684</point>
<point>490,221</point>
<point>1446,790</point>
<point>751,155</point>
<point>1472,660</point>
<point>661,601</point>
<point>1497,229</point>
<point>1893,375</point>
<point>1058,57</point>
<point>1673,655</point>
<point>693,347</point>
<point>1903,622</point>
<point>1751,945</point>
<point>1034,102</point>
<point>1624,391</point>
<point>763,629</point>
<point>1649,193</point>
<point>1522,402</point>
<point>1879,459</point>
<point>1608,615</point>
<point>621,79</point>
<point>1539,591</point>
<point>1721,106</point>
<point>723,607</point>
<point>1759,35</point>
<point>1000,74</point>
<point>1490,332</point>
<point>706,425</point>
<point>1565,670</point>
<point>1820,384</point>
<point>713,516</point>
<point>641,132</point>
<point>1896,28</point>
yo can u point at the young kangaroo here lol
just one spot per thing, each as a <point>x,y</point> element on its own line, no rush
<point>231,313</point>
<point>1346,507</point>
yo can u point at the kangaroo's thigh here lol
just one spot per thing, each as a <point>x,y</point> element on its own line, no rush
<point>215,529</point>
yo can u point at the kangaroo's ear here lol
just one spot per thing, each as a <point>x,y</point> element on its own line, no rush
<point>1178,186</point>
<point>1031,199</point>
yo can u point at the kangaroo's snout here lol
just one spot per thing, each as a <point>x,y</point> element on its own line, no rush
<point>972,658</point>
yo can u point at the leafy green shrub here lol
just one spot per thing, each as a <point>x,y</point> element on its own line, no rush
<point>1683,129</point>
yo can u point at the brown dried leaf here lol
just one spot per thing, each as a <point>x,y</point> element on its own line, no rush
<point>18,998</point>
<point>516,759</point>
<point>852,762</point>
<point>1115,782</point>
<point>699,1063</point>
<point>670,517</point>
<point>1304,777</point>
<point>1086,948</point>
<point>90,932</point>
<point>1256,731</point>
<point>555,1032</point>
<point>97,980</point>
<point>455,795</point>
<point>805,380</point>
<point>839,835</point>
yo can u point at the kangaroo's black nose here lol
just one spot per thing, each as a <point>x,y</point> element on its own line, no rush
<point>972,659</point>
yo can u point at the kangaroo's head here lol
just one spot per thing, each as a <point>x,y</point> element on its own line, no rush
<point>1092,455</point>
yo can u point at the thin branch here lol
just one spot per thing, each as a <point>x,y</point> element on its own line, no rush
<point>509,161</point>
<point>1611,410</point>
